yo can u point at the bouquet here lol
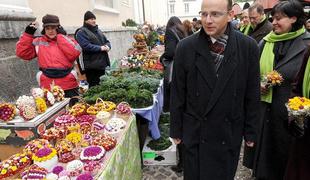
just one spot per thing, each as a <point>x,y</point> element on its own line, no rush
<point>272,78</point>
<point>298,111</point>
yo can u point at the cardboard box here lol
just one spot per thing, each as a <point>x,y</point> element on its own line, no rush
<point>164,157</point>
<point>20,131</point>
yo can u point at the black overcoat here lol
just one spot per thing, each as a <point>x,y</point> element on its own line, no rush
<point>211,111</point>
<point>269,158</point>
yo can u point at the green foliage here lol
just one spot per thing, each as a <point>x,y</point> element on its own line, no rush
<point>130,23</point>
<point>134,87</point>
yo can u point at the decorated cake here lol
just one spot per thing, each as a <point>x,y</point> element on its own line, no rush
<point>75,167</point>
<point>58,93</point>
<point>7,111</point>
<point>64,120</point>
<point>37,92</point>
<point>53,133</point>
<point>49,98</point>
<point>14,165</point>
<point>85,176</point>
<point>33,146</point>
<point>46,157</point>
<point>123,108</point>
<point>103,116</point>
<point>92,153</point>
<point>114,126</point>
<point>34,172</point>
<point>104,140</point>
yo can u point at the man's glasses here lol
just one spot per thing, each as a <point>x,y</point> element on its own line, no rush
<point>212,14</point>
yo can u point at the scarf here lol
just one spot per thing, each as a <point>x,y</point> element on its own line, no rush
<point>245,29</point>
<point>306,81</point>
<point>267,57</point>
<point>217,50</point>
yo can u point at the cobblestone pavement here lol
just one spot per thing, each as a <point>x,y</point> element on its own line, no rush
<point>165,172</point>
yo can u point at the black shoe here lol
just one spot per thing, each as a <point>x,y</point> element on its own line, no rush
<point>177,169</point>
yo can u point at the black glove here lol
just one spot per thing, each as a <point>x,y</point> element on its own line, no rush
<point>295,129</point>
<point>30,29</point>
<point>61,30</point>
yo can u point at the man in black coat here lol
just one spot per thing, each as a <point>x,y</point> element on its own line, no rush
<point>95,49</point>
<point>259,22</point>
<point>215,95</point>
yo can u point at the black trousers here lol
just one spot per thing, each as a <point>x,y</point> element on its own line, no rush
<point>166,106</point>
<point>93,76</point>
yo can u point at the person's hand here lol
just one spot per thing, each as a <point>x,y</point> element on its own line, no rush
<point>264,89</point>
<point>105,48</point>
<point>176,141</point>
<point>61,30</point>
<point>31,28</point>
<point>249,143</point>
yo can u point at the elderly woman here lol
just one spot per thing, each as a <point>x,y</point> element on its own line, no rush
<point>282,50</point>
<point>55,52</point>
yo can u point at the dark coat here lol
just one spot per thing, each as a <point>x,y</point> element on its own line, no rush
<point>261,30</point>
<point>299,157</point>
<point>211,112</point>
<point>91,41</point>
<point>269,158</point>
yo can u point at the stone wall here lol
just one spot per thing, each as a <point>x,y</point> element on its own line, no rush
<point>17,77</point>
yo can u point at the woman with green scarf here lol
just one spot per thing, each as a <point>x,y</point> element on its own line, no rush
<point>282,50</point>
<point>299,158</point>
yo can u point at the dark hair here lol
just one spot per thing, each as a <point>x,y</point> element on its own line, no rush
<point>246,6</point>
<point>195,19</point>
<point>230,4</point>
<point>174,23</point>
<point>291,8</point>
<point>259,8</point>
<point>188,26</point>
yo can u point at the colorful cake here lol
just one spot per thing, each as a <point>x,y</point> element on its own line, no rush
<point>64,120</point>
<point>104,140</point>
<point>46,157</point>
<point>92,153</point>
<point>14,165</point>
<point>35,173</point>
<point>114,126</point>
<point>58,93</point>
<point>75,168</point>
<point>85,176</point>
<point>33,146</point>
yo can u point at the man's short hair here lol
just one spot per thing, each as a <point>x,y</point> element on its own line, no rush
<point>259,8</point>
<point>230,4</point>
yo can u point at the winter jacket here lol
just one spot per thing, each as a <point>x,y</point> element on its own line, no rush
<point>91,41</point>
<point>55,58</point>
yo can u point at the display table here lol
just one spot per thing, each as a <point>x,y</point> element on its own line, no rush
<point>18,132</point>
<point>124,162</point>
<point>153,112</point>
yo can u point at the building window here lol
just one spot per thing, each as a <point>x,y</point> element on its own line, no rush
<point>125,2</point>
<point>186,7</point>
<point>110,6</point>
<point>171,8</point>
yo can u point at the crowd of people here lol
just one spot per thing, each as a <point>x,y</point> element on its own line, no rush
<point>217,97</point>
<point>212,83</point>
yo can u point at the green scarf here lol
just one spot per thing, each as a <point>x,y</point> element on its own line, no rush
<point>306,81</point>
<point>267,57</point>
<point>245,29</point>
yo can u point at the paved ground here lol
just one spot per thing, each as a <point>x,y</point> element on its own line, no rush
<point>165,172</point>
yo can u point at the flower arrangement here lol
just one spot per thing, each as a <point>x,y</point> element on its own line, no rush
<point>34,172</point>
<point>298,108</point>
<point>85,176</point>
<point>14,165</point>
<point>7,111</point>
<point>37,92</point>
<point>123,108</point>
<point>44,154</point>
<point>64,120</point>
<point>57,169</point>
<point>28,112</point>
<point>92,153</point>
<point>78,109</point>
<point>74,137</point>
<point>58,93</point>
<point>25,100</point>
<point>272,78</point>
<point>49,97</point>
<point>41,105</point>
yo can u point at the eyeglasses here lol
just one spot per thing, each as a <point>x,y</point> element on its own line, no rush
<point>212,14</point>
